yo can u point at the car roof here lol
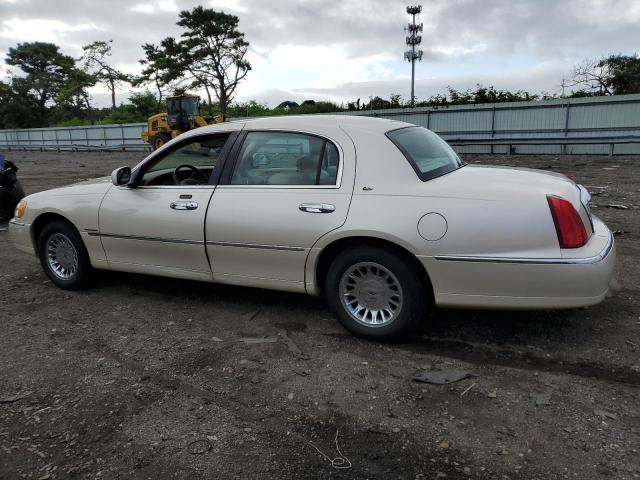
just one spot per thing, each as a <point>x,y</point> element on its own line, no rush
<point>312,123</point>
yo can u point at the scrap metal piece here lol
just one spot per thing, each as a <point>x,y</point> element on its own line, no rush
<point>443,377</point>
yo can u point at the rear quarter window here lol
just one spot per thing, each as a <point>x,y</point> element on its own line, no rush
<point>429,155</point>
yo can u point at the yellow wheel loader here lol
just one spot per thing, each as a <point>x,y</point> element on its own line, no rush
<point>181,115</point>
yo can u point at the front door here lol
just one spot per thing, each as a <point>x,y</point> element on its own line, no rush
<point>158,225</point>
<point>283,192</point>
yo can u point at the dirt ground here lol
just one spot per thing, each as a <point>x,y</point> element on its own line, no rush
<point>146,378</point>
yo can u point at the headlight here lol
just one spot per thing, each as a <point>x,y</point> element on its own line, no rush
<point>20,208</point>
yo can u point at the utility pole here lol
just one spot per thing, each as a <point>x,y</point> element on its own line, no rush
<point>413,39</point>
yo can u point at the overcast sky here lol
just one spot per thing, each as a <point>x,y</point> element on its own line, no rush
<point>345,49</point>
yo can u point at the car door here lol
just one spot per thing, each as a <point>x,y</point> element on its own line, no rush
<point>279,193</point>
<point>157,225</point>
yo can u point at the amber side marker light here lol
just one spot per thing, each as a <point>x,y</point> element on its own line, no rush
<point>20,208</point>
<point>569,227</point>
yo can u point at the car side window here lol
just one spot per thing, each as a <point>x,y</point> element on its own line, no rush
<point>286,158</point>
<point>190,163</point>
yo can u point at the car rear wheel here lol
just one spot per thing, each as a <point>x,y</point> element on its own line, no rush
<point>63,256</point>
<point>374,293</point>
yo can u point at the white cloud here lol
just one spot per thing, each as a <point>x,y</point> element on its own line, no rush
<point>228,5</point>
<point>168,6</point>
<point>18,29</point>
<point>456,51</point>
<point>143,8</point>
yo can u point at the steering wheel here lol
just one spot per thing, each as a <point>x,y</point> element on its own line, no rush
<point>191,179</point>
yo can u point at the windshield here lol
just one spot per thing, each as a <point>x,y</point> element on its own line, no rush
<point>429,155</point>
<point>190,106</point>
<point>186,105</point>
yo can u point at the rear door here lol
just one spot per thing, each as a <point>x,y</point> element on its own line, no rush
<point>280,192</point>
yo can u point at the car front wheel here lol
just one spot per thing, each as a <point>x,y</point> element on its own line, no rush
<point>63,256</point>
<point>374,293</point>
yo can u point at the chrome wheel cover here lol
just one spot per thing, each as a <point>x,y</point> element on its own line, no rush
<point>371,294</point>
<point>62,257</point>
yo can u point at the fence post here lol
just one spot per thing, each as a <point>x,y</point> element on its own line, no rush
<point>566,127</point>
<point>493,125</point>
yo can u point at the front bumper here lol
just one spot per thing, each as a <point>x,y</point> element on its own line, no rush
<point>20,235</point>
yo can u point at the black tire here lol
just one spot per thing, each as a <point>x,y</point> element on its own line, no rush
<point>415,294</point>
<point>159,140</point>
<point>61,230</point>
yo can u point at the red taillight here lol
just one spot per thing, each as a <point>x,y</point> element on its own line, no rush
<point>569,226</point>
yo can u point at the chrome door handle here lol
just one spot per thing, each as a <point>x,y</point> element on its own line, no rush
<point>184,205</point>
<point>317,207</point>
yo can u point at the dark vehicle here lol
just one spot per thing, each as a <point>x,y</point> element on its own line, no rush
<point>11,191</point>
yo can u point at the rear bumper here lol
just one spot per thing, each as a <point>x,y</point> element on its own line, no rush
<point>579,278</point>
<point>20,234</point>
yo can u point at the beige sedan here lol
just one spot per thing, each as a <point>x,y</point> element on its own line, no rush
<point>381,217</point>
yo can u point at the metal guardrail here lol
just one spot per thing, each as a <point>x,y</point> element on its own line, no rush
<point>80,138</point>
<point>563,142</point>
<point>510,143</point>
<point>564,126</point>
<point>130,147</point>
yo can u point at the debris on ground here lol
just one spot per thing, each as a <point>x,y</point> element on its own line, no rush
<point>291,345</point>
<point>443,377</point>
<point>198,447</point>
<point>617,206</point>
<point>252,315</point>
<point>339,462</point>
<point>467,389</point>
<point>605,414</point>
<point>16,397</point>
<point>493,394</point>
<point>256,340</point>
<point>541,399</point>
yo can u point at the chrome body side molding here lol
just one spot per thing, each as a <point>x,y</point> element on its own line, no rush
<point>534,261</point>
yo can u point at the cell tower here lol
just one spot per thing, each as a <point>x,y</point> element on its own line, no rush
<point>413,39</point>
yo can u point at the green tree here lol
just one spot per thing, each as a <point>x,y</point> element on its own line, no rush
<point>19,106</point>
<point>624,73</point>
<point>210,53</point>
<point>157,70</point>
<point>95,60</point>
<point>45,70</point>
<point>6,94</point>
<point>139,107</point>
<point>143,104</point>
<point>395,100</point>
<point>612,75</point>
<point>73,94</point>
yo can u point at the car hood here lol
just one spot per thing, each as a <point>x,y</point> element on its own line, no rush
<point>95,186</point>
<point>93,181</point>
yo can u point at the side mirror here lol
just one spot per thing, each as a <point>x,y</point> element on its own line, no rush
<point>121,176</point>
